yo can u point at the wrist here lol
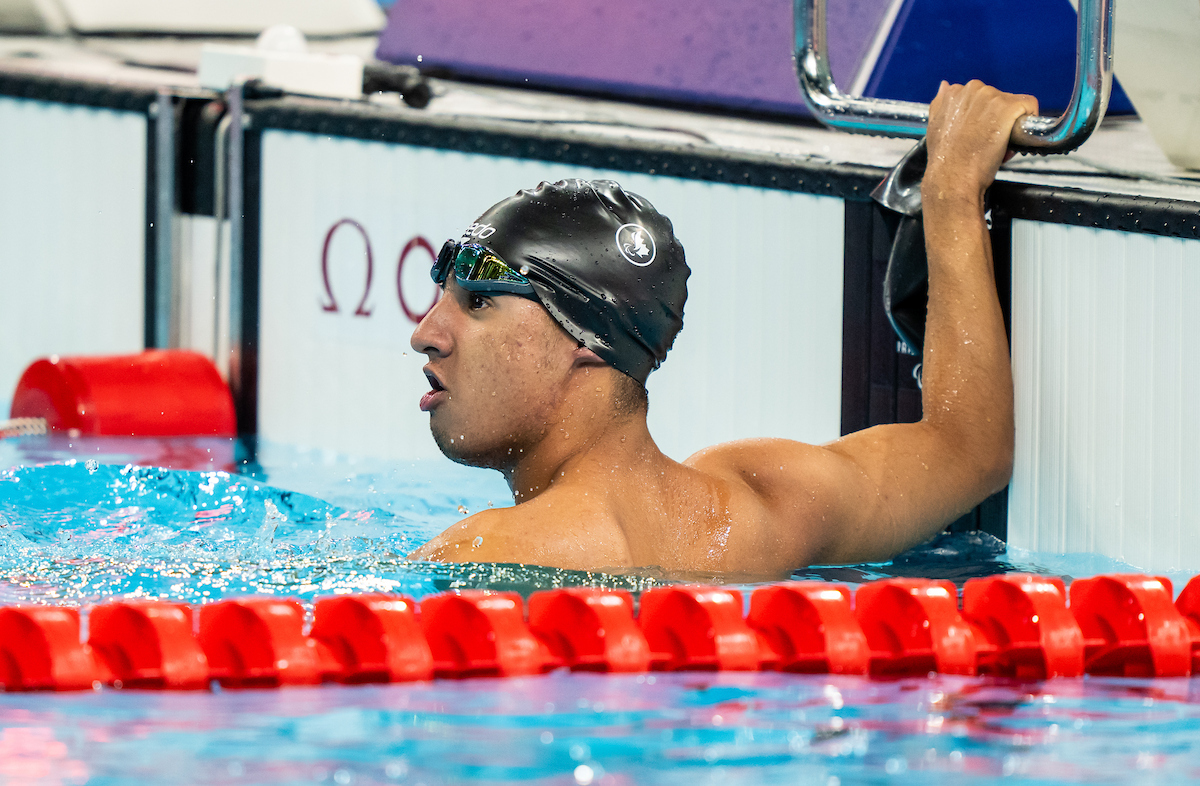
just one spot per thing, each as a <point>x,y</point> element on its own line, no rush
<point>940,190</point>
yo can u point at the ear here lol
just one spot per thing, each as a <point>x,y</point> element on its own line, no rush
<point>582,356</point>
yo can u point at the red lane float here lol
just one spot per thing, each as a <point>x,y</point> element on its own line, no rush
<point>156,393</point>
<point>148,644</point>
<point>1026,623</point>
<point>40,650</point>
<point>913,627</point>
<point>1014,625</point>
<point>809,627</point>
<point>374,638</point>
<point>1130,627</point>
<point>259,642</point>
<point>698,629</point>
<point>590,629</point>
<point>1188,604</point>
<point>481,633</point>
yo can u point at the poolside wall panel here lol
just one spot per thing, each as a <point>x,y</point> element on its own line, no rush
<point>72,232</point>
<point>760,354</point>
<point>1106,366</point>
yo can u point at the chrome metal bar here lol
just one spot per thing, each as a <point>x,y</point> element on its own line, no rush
<point>1040,134</point>
<point>235,160</point>
<point>166,295</point>
<point>222,318</point>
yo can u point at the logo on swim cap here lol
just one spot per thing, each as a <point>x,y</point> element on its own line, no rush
<point>478,231</point>
<point>636,244</point>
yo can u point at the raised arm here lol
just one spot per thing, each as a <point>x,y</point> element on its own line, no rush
<point>876,492</point>
<point>928,473</point>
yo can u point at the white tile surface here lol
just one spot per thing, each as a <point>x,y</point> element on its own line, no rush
<point>72,235</point>
<point>1106,363</point>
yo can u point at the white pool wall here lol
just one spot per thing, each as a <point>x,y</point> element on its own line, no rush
<point>72,232</point>
<point>1106,368</point>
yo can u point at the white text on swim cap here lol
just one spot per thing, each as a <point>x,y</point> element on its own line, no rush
<point>479,232</point>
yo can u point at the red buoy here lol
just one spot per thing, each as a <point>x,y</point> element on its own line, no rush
<point>913,627</point>
<point>1026,621</point>
<point>590,629</point>
<point>157,393</point>
<point>1188,604</point>
<point>375,638</point>
<point>698,629</point>
<point>260,643</point>
<point>40,650</point>
<point>1130,627</point>
<point>148,644</point>
<point>482,633</point>
<point>808,626</point>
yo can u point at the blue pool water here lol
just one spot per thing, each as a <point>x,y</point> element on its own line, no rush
<point>78,524</point>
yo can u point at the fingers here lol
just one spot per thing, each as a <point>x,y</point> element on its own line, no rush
<point>1028,103</point>
<point>935,106</point>
<point>969,131</point>
<point>981,101</point>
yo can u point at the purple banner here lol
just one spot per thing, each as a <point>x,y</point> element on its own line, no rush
<point>730,53</point>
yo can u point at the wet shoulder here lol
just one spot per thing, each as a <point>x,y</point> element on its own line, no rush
<point>778,494</point>
<point>553,530</point>
<point>761,464</point>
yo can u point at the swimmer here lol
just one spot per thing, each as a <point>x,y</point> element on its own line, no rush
<point>559,302</point>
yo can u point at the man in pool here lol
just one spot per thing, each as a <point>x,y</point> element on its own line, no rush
<point>559,301</point>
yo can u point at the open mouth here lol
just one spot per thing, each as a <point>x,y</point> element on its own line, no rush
<point>433,396</point>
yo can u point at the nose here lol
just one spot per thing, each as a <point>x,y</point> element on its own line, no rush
<point>432,337</point>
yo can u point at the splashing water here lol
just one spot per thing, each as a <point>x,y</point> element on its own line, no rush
<point>79,533</point>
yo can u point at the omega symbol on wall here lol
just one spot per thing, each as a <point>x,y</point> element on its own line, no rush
<point>416,244</point>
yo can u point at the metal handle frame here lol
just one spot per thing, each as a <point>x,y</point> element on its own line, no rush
<point>1033,134</point>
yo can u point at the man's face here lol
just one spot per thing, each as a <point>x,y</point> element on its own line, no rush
<point>498,367</point>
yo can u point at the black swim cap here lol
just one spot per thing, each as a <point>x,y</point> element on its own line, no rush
<point>603,261</point>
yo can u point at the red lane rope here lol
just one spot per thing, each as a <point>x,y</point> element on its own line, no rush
<point>1015,625</point>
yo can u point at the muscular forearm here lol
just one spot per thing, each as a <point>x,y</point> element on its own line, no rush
<point>967,377</point>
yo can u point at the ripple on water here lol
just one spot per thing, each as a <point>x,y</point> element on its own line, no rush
<point>79,532</point>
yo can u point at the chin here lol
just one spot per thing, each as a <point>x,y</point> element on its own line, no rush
<point>466,450</point>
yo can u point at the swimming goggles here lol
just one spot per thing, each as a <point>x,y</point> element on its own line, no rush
<point>478,269</point>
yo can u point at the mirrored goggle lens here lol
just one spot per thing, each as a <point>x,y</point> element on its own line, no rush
<point>478,269</point>
<point>479,264</point>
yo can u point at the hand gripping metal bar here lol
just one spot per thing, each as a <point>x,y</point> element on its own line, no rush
<point>1033,134</point>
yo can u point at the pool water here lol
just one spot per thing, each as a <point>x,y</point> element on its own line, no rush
<point>79,524</point>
